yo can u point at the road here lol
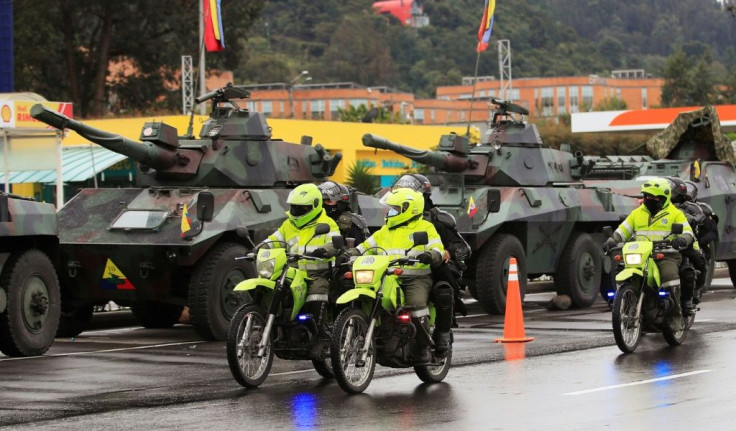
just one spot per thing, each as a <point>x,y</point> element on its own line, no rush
<point>571,375</point>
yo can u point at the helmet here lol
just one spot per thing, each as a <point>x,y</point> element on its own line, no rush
<point>678,189</point>
<point>305,203</point>
<point>656,194</point>
<point>332,191</point>
<point>691,193</point>
<point>416,182</point>
<point>404,203</point>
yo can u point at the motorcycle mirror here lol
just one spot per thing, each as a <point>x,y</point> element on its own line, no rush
<point>607,231</point>
<point>205,206</point>
<point>677,228</point>
<point>420,238</point>
<point>242,232</point>
<point>338,242</point>
<point>321,229</point>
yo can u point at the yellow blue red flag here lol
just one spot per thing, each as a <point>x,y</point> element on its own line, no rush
<point>486,25</point>
<point>186,221</point>
<point>214,39</point>
<point>472,209</point>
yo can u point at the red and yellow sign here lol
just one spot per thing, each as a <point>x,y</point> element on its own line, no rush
<point>17,113</point>
<point>642,119</point>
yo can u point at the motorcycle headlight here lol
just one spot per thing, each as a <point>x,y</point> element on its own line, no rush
<point>363,276</point>
<point>633,259</point>
<point>265,268</point>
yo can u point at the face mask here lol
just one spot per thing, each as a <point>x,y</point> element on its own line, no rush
<point>392,212</point>
<point>653,205</point>
<point>332,211</point>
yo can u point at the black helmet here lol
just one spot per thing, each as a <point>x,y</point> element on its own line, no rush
<point>332,191</point>
<point>679,189</point>
<point>416,182</point>
<point>691,194</point>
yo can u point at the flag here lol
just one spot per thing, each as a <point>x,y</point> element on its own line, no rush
<point>472,209</point>
<point>186,221</point>
<point>214,39</point>
<point>486,25</point>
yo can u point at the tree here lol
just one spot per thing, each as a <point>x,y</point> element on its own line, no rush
<point>360,177</point>
<point>688,80</point>
<point>610,104</point>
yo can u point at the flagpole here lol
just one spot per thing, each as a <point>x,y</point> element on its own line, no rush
<point>202,88</point>
<point>472,95</point>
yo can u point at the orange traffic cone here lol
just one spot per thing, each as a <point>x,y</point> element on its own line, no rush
<point>513,325</point>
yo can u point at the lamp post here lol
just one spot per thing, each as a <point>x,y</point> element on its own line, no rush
<point>290,87</point>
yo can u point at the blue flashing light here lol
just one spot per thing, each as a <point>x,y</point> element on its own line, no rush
<point>611,294</point>
<point>303,317</point>
<point>663,293</point>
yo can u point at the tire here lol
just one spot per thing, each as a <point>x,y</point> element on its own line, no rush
<point>732,271</point>
<point>348,337</point>
<point>492,272</point>
<point>677,338</point>
<point>324,368</point>
<point>626,327</point>
<point>29,323</point>
<point>710,266</point>
<point>242,347</point>
<point>74,320</point>
<point>578,273</point>
<point>434,374</point>
<point>154,314</point>
<point>212,302</point>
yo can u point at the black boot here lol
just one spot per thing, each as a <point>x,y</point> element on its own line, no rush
<point>422,354</point>
<point>441,343</point>
<point>688,309</point>
<point>318,310</point>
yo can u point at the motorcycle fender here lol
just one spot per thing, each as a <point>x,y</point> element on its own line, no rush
<point>392,293</point>
<point>653,276</point>
<point>253,283</point>
<point>353,294</point>
<point>627,273</point>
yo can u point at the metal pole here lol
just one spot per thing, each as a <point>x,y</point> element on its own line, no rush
<point>94,169</point>
<point>59,172</point>
<point>202,88</point>
<point>6,155</point>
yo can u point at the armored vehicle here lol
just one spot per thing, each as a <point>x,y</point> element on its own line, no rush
<point>694,148</point>
<point>29,287</point>
<point>512,196</point>
<point>171,242</point>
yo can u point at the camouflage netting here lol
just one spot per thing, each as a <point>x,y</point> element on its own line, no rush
<point>694,134</point>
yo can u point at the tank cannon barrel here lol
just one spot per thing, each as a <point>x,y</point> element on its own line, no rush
<point>146,153</point>
<point>443,161</point>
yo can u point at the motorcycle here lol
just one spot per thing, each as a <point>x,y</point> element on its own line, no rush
<point>378,327</point>
<point>273,322</point>
<point>640,303</point>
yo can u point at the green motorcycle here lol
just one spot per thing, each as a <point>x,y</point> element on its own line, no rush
<point>378,327</point>
<point>640,303</point>
<point>273,322</point>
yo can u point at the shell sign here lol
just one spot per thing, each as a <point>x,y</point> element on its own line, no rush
<point>17,113</point>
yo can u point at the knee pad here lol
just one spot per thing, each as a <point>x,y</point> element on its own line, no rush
<point>687,275</point>
<point>442,296</point>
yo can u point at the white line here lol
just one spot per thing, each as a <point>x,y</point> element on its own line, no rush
<point>471,315</point>
<point>641,382</point>
<point>122,349</point>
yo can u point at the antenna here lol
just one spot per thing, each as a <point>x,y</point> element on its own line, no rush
<point>504,69</point>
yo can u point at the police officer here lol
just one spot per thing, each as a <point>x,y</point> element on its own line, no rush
<point>336,201</point>
<point>654,220</point>
<point>695,217</point>
<point>457,250</point>
<point>707,231</point>
<point>406,207</point>
<point>297,231</point>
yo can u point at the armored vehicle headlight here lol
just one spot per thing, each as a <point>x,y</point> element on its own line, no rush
<point>265,268</point>
<point>363,276</point>
<point>633,259</point>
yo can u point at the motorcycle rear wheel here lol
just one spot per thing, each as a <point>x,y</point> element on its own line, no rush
<point>677,338</point>
<point>626,326</point>
<point>242,347</point>
<point>348,337</point>
<point>324,368</point>
<point>434,373</point>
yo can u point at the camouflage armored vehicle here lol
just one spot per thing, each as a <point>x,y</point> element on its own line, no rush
<point>29,287</point>
<point>694,148</point>
<point>514,197</point>
<point>171,242</point>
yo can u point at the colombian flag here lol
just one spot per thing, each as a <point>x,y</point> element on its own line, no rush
<point>214,39</point>
<point>486,25</point>
<point>186,221</point>
<point>472,209</point>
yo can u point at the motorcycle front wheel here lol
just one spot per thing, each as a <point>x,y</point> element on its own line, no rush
<point>626,324</point>
<point>244,336</point>
<point>348,338</point>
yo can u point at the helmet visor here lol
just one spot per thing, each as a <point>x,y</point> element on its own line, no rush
<point>299,210</point>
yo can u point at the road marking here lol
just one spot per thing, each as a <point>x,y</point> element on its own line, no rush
<point>641,382</point>
<point>121,349</point>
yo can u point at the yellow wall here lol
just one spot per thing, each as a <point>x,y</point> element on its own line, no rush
<point>334,136</point>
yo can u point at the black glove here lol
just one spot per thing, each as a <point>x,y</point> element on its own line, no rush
<point>679,243</point>
<point>425,258</point>
<point>608,245</point>
<point>319,252</point>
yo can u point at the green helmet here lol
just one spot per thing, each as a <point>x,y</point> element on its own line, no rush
<point>305,203</point>
<point>656,189</point>
<point>404,203</point>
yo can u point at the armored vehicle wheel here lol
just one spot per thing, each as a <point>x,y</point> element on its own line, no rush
<point>492,272</point>
<point>28,324</point>
<point>578,273</point>
<point>74,320</point>
<point>154,314</point>
<point>243,338</point>
<point>212,302</point>
<point>732,271</point>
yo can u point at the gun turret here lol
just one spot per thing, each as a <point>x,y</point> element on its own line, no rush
<point>155,154</point>
<point>454,161</point>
